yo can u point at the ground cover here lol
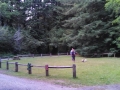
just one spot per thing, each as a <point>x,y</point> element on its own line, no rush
<point>96,71</point>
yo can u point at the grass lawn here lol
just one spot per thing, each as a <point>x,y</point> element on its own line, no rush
<point>96,71</point>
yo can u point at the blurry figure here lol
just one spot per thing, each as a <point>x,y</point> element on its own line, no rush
<point>72,53</point>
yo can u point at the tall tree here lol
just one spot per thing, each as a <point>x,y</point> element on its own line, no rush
<point>113,7</point>
<point>86,27</point>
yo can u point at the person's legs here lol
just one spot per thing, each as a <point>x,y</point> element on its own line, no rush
<point>73,58</point>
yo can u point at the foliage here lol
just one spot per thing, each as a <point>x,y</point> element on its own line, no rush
<point>85,25</point>
<point>35,17</point>
<point>118,42</point>
<point>90,26</point>
<point>24,42</point>
<point>112,6</point>
<point>6,40</point>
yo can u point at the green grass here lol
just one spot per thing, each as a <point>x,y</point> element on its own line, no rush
<point>96,71</point>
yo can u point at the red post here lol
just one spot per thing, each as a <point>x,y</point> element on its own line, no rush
<point>47,70</point>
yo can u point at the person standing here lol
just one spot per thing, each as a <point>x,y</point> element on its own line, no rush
<point>72,53</point>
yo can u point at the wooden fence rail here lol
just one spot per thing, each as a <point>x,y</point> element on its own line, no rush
<point>29,67</point>
<point>59,67</point>
<point>17,57</point>
<point>36,55</point>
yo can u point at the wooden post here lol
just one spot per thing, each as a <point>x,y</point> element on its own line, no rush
<point>47,70</point>
<point>33,55</point>
<point>50,54</point>
<point>67,53</point>
<point>16,66</point>
<point>41,55</point>
<point>114,54</point>
<point>7,65</point>
<point>74,71</point>
<point>0,62</point>
<point>29,68</point>
<point>8,57</point>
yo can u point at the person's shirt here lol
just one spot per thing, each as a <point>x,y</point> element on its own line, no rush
<point>72,53</point>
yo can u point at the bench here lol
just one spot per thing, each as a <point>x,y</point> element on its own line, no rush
<point>109,54</point>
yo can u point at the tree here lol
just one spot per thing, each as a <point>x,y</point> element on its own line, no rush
<point>112,6</point>
<point>6,40</point>
<point>28,17</point>
<point>6,13</point>
<point>49,25</point>
<point>86,28</point>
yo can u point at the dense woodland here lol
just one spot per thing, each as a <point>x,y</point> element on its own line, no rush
<point>52,26</point>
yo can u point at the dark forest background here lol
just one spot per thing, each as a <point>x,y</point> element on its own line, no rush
<point>52,26</point>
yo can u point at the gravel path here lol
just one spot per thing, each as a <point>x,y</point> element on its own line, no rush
<point>15,83</point>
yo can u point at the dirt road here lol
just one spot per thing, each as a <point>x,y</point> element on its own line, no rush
<point>14,83</point>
